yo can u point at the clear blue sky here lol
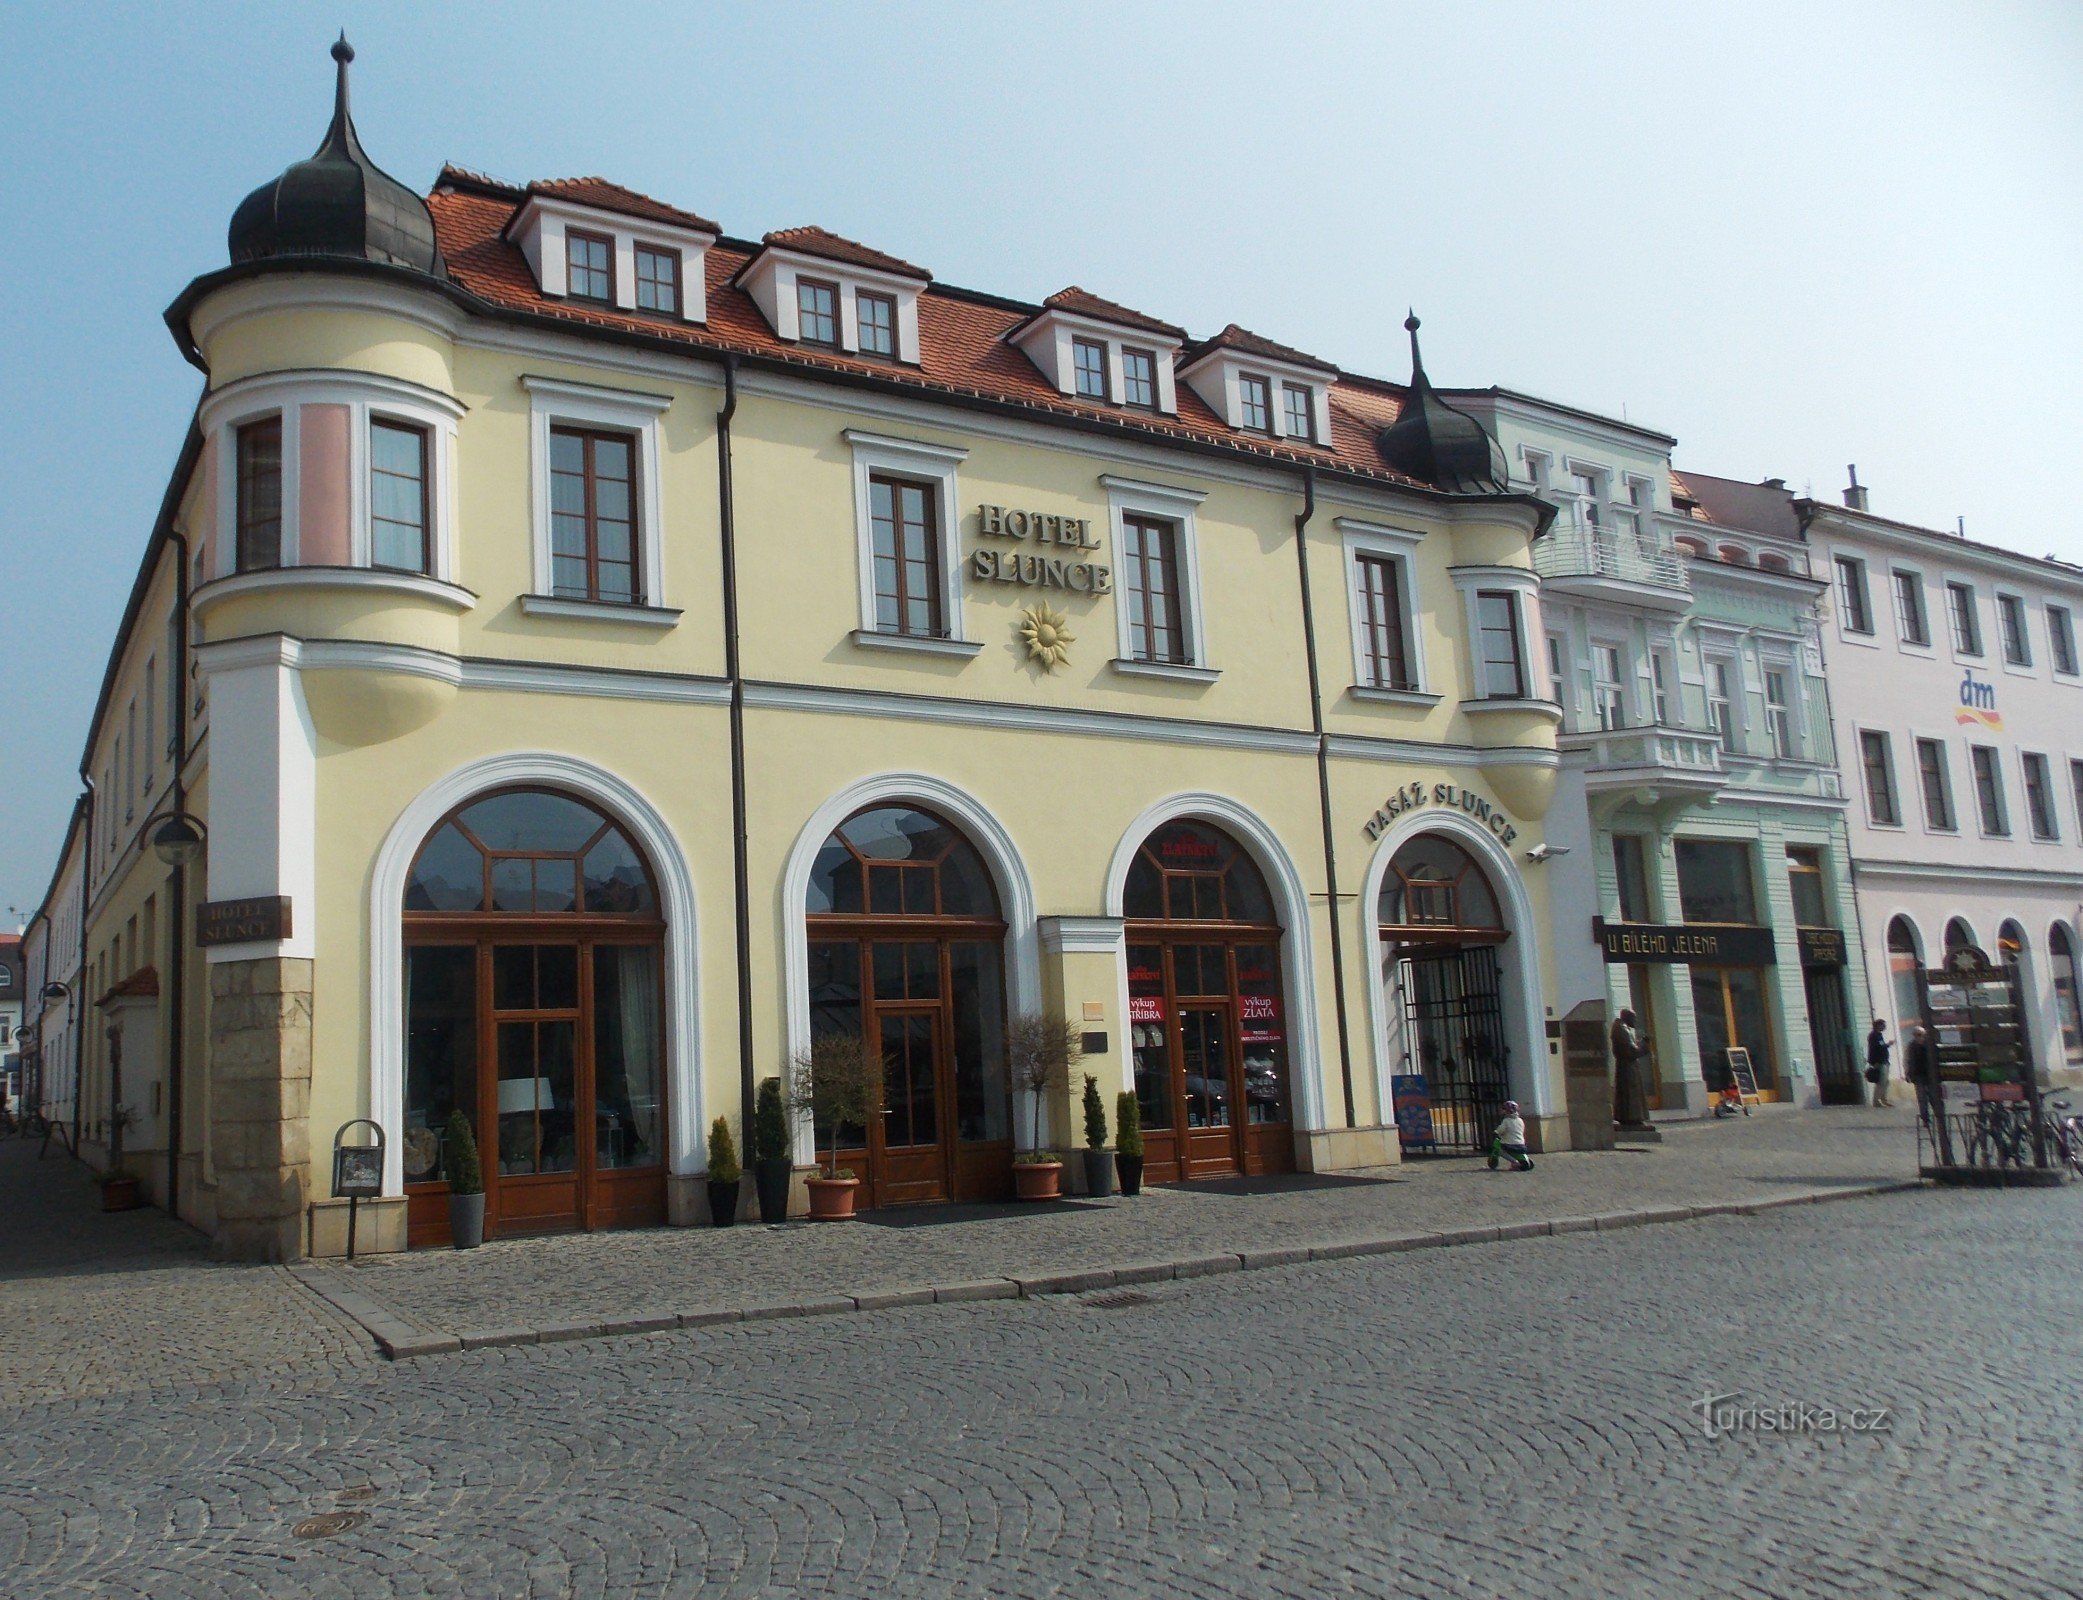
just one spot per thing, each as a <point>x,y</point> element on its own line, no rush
<point>1792,235</point>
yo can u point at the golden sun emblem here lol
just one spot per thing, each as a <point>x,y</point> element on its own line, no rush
<point>1046,633</point>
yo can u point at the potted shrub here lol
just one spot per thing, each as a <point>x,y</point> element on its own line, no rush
<point>119,1187</point>
<point>724,1174</point>
<point>839,1083</point>
<point>1039,1053</point>
<point>1128,1141</point>
<point>466,1184</point>
<point>1099,1160</point>
<point>1038,1175</point>
<point>773,1159</point>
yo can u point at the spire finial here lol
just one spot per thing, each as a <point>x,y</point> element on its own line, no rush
<point>341,134</point>
<point>1417,362</point>
<point>343,52</point>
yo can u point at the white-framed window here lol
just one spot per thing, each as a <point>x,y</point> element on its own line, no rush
<point>2010,623</point>
<point>1382,598</point>
<point>2039,796</point>
<point>1499,613</point>
<point>876,317</point>
<point>1558,676</point>
<point>2061,640</point>
<point>1854,606</point>
<point>1779,712</point>
<point>908,543</point>
<point>344,422</point>
<point>1990,801</point>
<point>596,514</point>
<point>2076,793</point>
<point>632,264</point>
<point>1662,673</point>
<point>1935,780</point>
<point>1608,692</point>
<point>1912,623</point>
<point>1538,465</point>
<point>1161,628</point>
<point>1254,403</point>
<point>1877,759</point>
<point>128,766</point>
<point>151,702</point>
<point>1298,405</point>
<point>1255,393</point>
<point>1089,361</point>
<point>1721,699</point>
<point>1588,488</point>
<point>1963,617</point>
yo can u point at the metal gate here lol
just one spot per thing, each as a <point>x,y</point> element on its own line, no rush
<point>1454,1019</point>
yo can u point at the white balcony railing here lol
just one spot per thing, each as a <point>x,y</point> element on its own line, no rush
<point>1579,547</point>
<point>1684,755</point>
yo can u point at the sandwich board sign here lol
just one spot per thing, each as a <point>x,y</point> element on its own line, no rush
<point>1744,1073</point>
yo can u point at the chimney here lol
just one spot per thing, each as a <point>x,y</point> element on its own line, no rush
<point>1855,493</point>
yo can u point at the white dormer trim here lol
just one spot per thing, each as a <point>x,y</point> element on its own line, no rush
<point>539,229</point>
<point>1217,375</point>
<point>1048,339</point>
<point>771,276</point>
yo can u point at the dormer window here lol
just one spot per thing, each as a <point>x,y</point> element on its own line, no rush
<point>1254,404</point>
<point>1300,402</point>
<point>1139,379</point>
<point>878,319</point>
<point>1090,357</point>
<point>657,280</point>
<point>589,266</point>
<point>817,312</point>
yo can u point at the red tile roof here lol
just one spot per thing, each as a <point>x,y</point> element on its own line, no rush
<point>143,983</point>
<point>962,337</point>
<point>606,196</point>
<point>1236,338</point>
<point>818,242</point>
<point>1081,303</point>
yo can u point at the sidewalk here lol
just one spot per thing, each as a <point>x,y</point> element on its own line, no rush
<point>595,1285</point>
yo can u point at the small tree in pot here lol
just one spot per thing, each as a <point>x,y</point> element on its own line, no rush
<point>839,1083</point>
<point>1099,1160</point>
<point>773,1160</point>
<point>466,1184</point>
<point>1128,1141</point>
<point>724,1174</point>
<point>119,1186</point>
<point>1039,1052</point>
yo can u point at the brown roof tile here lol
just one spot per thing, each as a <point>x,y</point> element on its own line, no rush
<point>818,242</point>
<point>143,983</point>
<point>1236,338</point>
<point>606,196</point>
<point>1084,304</point>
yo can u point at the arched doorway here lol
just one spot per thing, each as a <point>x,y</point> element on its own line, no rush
<point>1905,973</point>
<point>1441,927</point>
<point>1959,936</point>
<point>2061,958</point>
<point>1207,1016</point>
<point>906,949</point>
<point>533,942</point>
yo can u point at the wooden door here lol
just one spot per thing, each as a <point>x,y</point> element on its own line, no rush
<point>535,1099</point>
<point>908,1152</point>
<point>1210,1095</point>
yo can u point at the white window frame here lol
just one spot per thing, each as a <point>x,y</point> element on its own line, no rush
<point>2028,667</point>
<point>1618,684</point>
<point>1524,586</point>
<point>2032,826</point>
<point>1538,465</point>
<point>1400,546</point>
<point>1897,572</point>
<point>1917,741</point>
<point>1131,497</point>
<point>2052,609</point>
<point>923,462</point>
<point>552,401</point>
<point>1664,686</point>
<point>1790,708</point>
<point>1839,560</point>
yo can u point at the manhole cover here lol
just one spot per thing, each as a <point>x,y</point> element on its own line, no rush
<point>1117,1299</point>
<point>361,1491</point>
<point>328,1523</point>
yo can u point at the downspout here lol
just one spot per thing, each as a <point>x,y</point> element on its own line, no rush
<point>79,1032</point>
<point>733,666</point>
<point>176,955</point>
<point>1323,795</point>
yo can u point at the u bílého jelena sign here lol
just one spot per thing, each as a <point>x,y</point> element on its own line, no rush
<point>1051,566</point>
<point>1684,944</point>
<point>1418,793</point>
<point>262,919</point>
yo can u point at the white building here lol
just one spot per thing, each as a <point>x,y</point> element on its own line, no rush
<point>1955,671</point>
<point>51,991</point>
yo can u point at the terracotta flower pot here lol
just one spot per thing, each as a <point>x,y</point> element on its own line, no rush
<point>119,1194</point>
<point>1038,1180</point>
<point>831,1199</point>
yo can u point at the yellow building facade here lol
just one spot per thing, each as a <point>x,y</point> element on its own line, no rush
<point>617,655</point>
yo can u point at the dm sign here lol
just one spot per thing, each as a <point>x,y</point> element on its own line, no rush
<point>260,920</point>
<point>1978,704</point>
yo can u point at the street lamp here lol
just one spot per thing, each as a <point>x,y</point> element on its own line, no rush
<point>55,991</point>
<point>178,840</point>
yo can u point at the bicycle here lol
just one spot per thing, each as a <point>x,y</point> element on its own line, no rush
<point>2065,1137</point>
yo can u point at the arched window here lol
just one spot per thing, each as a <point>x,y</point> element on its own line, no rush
<point>535,1008</point>
<point>1434,888</point>
<point>895,861</point>
<point>1905,966</point>
<point>2010,943</point>
<point>1773,561</point>
<point>1690,548</point>
<point>2061,956</point>
<point>1959,936</point>
<point>1735,555</point>
<point>1187,872</point>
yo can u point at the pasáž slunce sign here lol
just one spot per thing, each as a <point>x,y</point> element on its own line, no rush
<point>1416,793</point>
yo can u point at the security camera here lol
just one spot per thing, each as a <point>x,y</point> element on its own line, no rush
<point>1544,851</point>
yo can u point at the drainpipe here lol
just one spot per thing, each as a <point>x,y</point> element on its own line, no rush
<point>1323,795</point>
<point>733,667</point>
<point>176,955</point>
<point>79,1032</point>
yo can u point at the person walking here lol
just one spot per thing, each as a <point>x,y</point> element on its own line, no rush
<point>1920,1065</point>
<point>1630,1099</point>
<point>1878,1048</point>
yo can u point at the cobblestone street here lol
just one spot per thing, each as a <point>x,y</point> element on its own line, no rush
<point>1486,1420</point>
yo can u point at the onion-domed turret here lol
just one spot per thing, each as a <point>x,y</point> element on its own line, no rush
<point>1437,444</point>
<point>339,203</point>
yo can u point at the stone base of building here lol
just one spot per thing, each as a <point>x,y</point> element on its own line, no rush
<point>687,1198</point>
<point>379,1227</point>
<point>1547,1135</point>
<point>260,1105</point>
<point>1342,1149</point>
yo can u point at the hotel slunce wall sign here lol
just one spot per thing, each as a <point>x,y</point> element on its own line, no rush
<point>1050,565</point>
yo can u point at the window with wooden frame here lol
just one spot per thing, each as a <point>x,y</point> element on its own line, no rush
<point>259,518</point>
<point>1385,659</point>
<point>817,312</point>
<point>589,266</point>
<point>1882,808</point>
<point>2010,616</point>
<point>398,504</point>
<point>1254,403</point>
<point>1853,609</point>
<point>1139,379</point>
<point>1967,625</point>
<point>1989,796</point>
<point>2039,796</point>
<point>1150,559</point>
<point>1089,358</point>
<point>1300,401</point>
<point>876,316</point>
<point>2061,640</point>
<point>657,280</point>
<point>1500,666</point>
<point>1934,775</point>
<point>907,557</point>
<point>1910,621</point>
<point>593,528</point>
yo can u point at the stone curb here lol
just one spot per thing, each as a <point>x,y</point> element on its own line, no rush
<point>401,1341</point>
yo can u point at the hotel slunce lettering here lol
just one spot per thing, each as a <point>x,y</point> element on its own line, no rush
<point>1046,568</point>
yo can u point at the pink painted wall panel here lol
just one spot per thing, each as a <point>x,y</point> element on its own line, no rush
<point>322,489</point>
